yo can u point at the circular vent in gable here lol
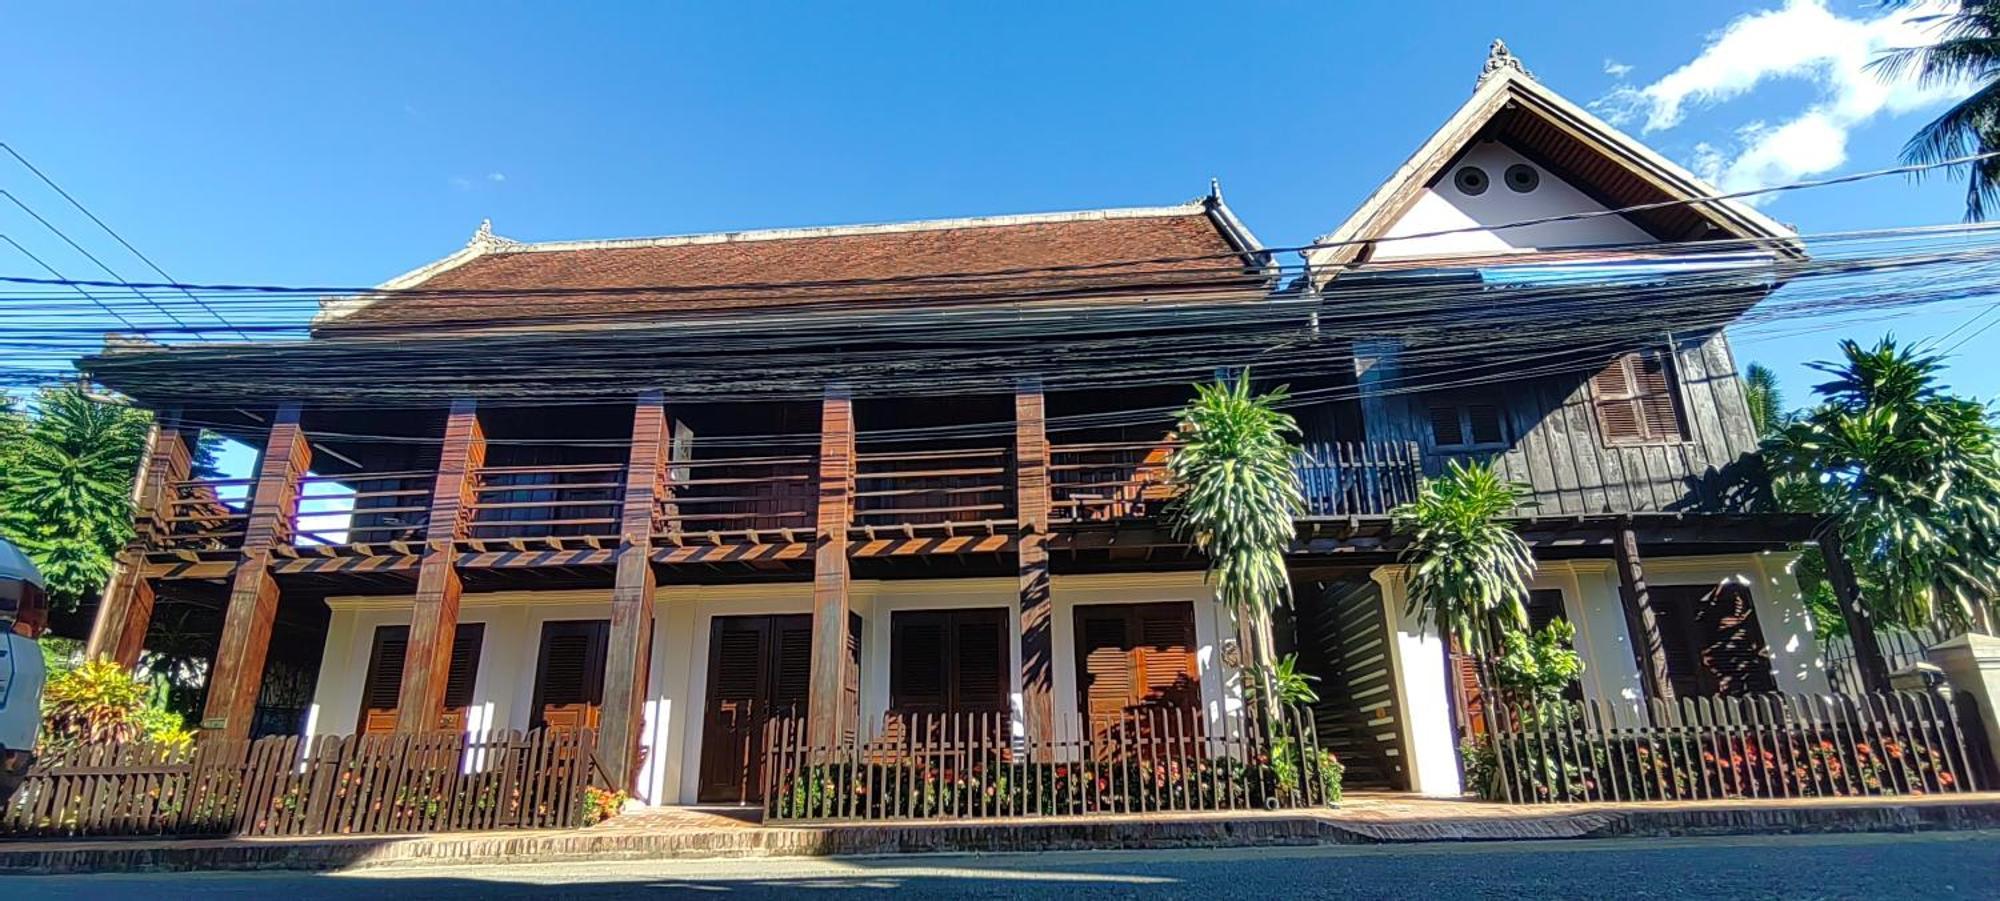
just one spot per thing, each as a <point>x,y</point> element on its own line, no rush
<point>1470,180</point>
<point>1523,178</point>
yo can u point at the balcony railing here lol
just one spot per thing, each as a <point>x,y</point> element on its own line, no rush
<point>203,515</point>
<point>954,487</point>
<point>741,497</point>
<point>1358,478</point>
<point>1108,481</point>
<point>559,501</point>
<point>362,508</point>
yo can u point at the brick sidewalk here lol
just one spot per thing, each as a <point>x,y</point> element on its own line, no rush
<point>684,832</point>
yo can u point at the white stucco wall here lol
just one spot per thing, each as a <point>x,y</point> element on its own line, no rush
<point>683,614</point>
<point>1443,207</point>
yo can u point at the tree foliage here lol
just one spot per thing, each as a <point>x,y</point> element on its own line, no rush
<point>1469,570</point>
<point>1239,497</point>
<point>1910,476</point>
<point>1767,402</point>
<point>99,701</point>
<point>65,488</point>
<point>1967,50</point>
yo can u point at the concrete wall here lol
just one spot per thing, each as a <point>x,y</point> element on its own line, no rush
<point>1443,207</point>
<point>678,681</point>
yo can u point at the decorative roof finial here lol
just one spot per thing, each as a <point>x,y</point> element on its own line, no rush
<point>1498,58</point>
<point>485,237</point>
<point>1214,188</point>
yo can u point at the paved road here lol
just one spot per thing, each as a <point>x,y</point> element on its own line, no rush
<point>1941,865</point>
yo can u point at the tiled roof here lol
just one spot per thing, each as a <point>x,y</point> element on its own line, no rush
<point>1190,247</point>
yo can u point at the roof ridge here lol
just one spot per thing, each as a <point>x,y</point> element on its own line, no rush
<point>1193,207</point>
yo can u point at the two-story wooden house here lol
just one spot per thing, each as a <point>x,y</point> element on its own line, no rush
<point>671,488</point>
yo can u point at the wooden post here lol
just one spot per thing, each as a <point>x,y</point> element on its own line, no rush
<point>826,713</point>
<point>1031,485</point>
<point>238,671</point>
<point>434,612</point>
<point>1854,612</point>
<point>1641,621</point>
<point>630,649</point>
<point>126,609</point>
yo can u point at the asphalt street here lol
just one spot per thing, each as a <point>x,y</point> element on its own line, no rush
<point>1936,865</point>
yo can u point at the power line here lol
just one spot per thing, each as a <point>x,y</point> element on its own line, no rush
<point>92,257</point>
<point>162,273</point>
<point>79,289</point>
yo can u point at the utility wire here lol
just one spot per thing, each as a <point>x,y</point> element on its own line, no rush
<point>79,288</point>
<point>92,257</point>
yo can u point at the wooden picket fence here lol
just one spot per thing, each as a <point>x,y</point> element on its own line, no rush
<point>328,785</point>
<point>970,766</point>
<point>1755,746</point>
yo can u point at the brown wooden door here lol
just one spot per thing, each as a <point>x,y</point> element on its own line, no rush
<point>383,685</point>
<point>569,677</point>
<point>1714,645</point>
<point>1134,657</point>
<point>759,667</point>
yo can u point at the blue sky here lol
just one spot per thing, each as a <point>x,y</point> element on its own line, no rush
<point>344,143</point>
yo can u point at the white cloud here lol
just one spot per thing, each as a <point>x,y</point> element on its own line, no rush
<point>1616,69</point>
<point>460,182</point>
<point>496,177</point>
<point>1803,41</point>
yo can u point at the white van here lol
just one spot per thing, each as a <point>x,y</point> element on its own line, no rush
<point>24,613</point>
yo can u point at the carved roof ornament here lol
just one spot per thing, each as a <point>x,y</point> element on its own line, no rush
<point>484,237</point>
<point>1498,57</point>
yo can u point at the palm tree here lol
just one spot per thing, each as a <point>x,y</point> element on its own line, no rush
<point>1239,500</point>
<point>1910,476</point>
<point>1967,50</point>
<point>1767,402</point>
<point>1469,570</point>
<point>65,490</point>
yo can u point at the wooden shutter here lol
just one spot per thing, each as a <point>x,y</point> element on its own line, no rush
<point>569,680</point>
<point>1135,655</point>
<point>1166,655</point>
<point>1732,645</point>
<point>383,686</point>
<point>791,668</point>
<point>1482,422</point>
<point>1635,399</point>
<point>466,643</point>
<point>1545,605</point>
<point>950,661</point>
<point>1104,654</point>
<point>917,661</point>
<point>1446,431</point>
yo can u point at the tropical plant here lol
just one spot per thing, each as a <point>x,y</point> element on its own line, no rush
<point>99,701</point>
<point>1291,686</point>
<point>1536,667</point>
<point>1239,499</point>
<point>1767,402</point>
<point>1910,476</point>
<point>1468,569</point>
<point>1967,51</point>
<point>65,492</point>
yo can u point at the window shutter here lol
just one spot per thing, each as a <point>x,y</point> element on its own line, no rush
<point>1484,423</point>
<point>1672,605</point>
<point>1166,655</point>
<point>1107,670</point>
<point>1733,649</point>
<point>1545,605</point>
<point>384,682</point>
<point>1445,428</point>
<point>791,680</point>
<point>948,661</point>
<point>466,643</point>
<point>1634,396</point>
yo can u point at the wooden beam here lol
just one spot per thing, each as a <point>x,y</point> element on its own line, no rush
<point>238,670</point>
<point>434,611</point>
<point>1868,660</point>
<point>1031,487</point>
<point>826,701</point>
<point>628,656</point>
<point>126,609</point>
<point>1649,648</point>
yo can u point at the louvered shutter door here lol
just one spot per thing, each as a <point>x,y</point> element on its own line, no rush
<point>1166,655</point>
<point>466,643</point>
<point>1618,413</point>
<point>569,682</point>
<point>1445,428</point>
<point>1673,609</point>
<point>979,644</point>
<point>384,683</point>
<point>1107,665</point>
<point>791,675</point>
<point>917,661</point>
<point>1733,648</point>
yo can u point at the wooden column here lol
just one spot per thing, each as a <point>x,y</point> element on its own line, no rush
<point>827,701</point>
<point>1031,486</point>
<point>434,612</point>
<point>1641,622</point>
<point>1868,658</point>
<point>631,643</point>
<point>238,671</point>
<point>126,610</point>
